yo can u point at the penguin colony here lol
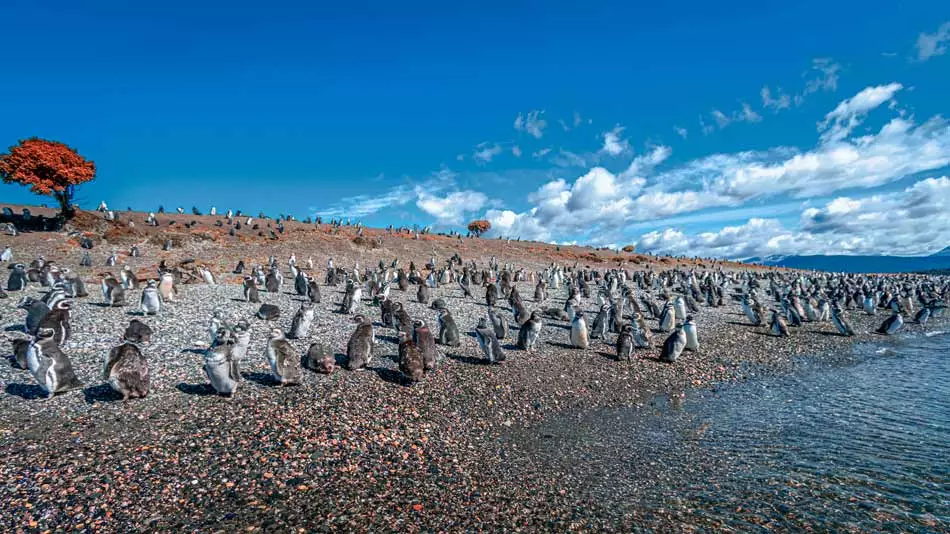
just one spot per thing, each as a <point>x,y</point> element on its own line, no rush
<point>634,311</point>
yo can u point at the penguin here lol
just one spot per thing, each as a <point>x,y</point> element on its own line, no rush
<point>111,260</point>
<point>922,315</point>
<point>283,359</point>
<point>530,332</point>
<point>692,336</point>
<point>85,260</point>
<point>250,290</point>
<point>579,337</point>
<point>351,297</point>
<point>601,322</point>
<point>75,287</point>
<point>134,251</point>
<point>491,295</point>
<point>50,366</point>
<point>207,276</point>
<point>422,295</point>
<point>300,326</point>
<point>410,359</point>
<point>137,332</point>
<point>489,342</point>
<point>437,304</point>
<point>868,305</point>
<point>268,312</point>
<point>401,319</point>
<point>240,339</point>
<point>6,255</point>
<point>448,330</point>
<point>20,349</point>
<point>313,291</point>
<point>221,369</point>
<point>891,325</point>
<point>151,302</point>
<point>641,337</point>
<point>129,280</point>
<point>499,324</point>
<point>58,320</point>
<point>239,269</point>
<point>667,317</point>
<point>18,279</point>
<point>359,350</point>
<point>625,343</point>
<point>778,325</point>
<point>841,323</point>
<point>319,359</point>
<point>301,283</point>
<point>36,311</point>
<point>673,346</point>
<point>166,287</point>
<point>423,338</point>
<point>680,306</point>
<point>272,283</point>
<point>126,370</point>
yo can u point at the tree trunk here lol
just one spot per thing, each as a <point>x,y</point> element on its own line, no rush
<point>65,198</point>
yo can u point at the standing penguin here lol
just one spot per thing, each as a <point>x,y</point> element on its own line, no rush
<point>692,336</point>
<point>498,323</point>
<point>221,369</point>
<point>301,283</point>
<point>448,330</point>
<point>422,295</point>
<point>250,290</point>
<point>579,338</point>
<point>36,311</point>
<point>300,326</point>
<point>239,269</point>
<point>489,342</point>
<point>58,320</point>
<point>673,346</point>
<point>840,322</point>
<point>283,359</point>
<point>319,359</point>
<point>625,343</point>
<point>18,279</point>
<point>126,370</point>
<point>530,332</point>
<point>313,291</point>
<point>50,366</point>
<point>359,350</point>
<point>667,317</point>
<point>891,325</point>
<point>410,359</point>
<point>778,325</point>
<point>351,297</point>
<point>151,303</point>
<point>272,282</point>
<point>424,339</point>
<point>166,287</point>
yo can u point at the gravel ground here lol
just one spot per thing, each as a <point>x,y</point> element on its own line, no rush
<point>339,452</point>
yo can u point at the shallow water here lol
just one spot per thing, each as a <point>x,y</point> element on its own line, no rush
<point>855,442</point>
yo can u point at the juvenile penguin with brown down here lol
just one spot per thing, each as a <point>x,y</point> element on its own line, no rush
<point>448,330</point>
<point>424,339</point>
<point>283,359</point>
<point>126,370</point>
<point>410,359</point>
<point>137,332</point>
<point>319,359</point>
<point>359,350</point>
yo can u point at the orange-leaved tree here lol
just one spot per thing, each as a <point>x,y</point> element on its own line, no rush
<point>479,227</point>
<point>48,168</point>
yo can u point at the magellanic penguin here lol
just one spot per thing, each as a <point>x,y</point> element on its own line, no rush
<point>167,288</point>
<point>579,338</point>
<point>240,339</point>
<point>151,302</point>
<point>778,325</point>
<point>129,280</point>
<point>667,317</point>
<point>319,359</point>
<point>250,290</point>
<point>891,325</point>
<point>268,312</point>
<point>50,366</point>
<point>410,359</point>
<point>21,348</point>
<point>313,291</point>
<point>36,311</point>
<point>424,339</point>
<point>359,350</point>
<point>422,295</point>
<point>673,346</point>
<point>841,323</point>
<point>692,336</point>
<point>301,283</point>
<point>18,279</point>
<point>300,326</point>
<point>222,370</point>
<point>283,359</point>
<point>498,323</point>
<point>488,341</point>
<point>625,343</point>
<point>58,320</point>
<point>530,332</point>
<point>448,330</point>
<point>126,370</point>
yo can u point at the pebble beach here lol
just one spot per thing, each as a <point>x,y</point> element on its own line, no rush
<point>353,450</point>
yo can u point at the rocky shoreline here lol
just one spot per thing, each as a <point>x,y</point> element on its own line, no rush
<point>352,450</point>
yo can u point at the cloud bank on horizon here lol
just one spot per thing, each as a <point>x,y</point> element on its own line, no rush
<point>854,190</point>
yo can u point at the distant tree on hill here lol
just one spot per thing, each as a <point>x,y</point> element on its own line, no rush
<point>479,227</point>
<point>49,168</point>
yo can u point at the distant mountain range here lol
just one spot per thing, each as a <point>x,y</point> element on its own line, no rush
<point>860,264</point>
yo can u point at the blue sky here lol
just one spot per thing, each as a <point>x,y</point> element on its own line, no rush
<point>605,124</point>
